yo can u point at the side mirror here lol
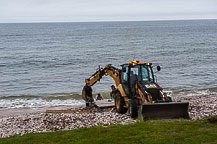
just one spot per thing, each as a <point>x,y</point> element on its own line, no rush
<point>158,68</point>
<point>124,69</point>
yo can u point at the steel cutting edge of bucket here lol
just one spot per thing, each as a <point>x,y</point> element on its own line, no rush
<point>168,110</point>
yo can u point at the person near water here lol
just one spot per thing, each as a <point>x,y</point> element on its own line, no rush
<point>99,97</point>
<point>112,94</point>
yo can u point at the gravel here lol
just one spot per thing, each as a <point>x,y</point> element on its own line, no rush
<point>200,107</point>
<point>42,122</point>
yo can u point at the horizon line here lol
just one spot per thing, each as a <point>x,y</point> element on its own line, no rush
<point>96,21</point>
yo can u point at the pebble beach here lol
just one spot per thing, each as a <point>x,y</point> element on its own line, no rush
<point>200,106</point>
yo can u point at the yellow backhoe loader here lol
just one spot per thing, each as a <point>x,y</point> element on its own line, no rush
<point>137,92</point>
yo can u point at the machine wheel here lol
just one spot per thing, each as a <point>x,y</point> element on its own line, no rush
<point>133,110</point>
<point>119,103</point>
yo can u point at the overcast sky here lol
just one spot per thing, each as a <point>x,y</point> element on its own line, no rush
<point>105,10</point>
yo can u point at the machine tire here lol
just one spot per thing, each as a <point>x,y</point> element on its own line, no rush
<point>133,110</point>
<point>119,103</point>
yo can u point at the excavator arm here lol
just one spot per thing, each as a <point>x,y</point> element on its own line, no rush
<point>108,70</point>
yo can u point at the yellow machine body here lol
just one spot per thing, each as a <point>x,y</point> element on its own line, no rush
<point>137,92</point>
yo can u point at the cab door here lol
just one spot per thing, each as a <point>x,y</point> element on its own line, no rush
<point>124,78</point>
<point>134,76</point>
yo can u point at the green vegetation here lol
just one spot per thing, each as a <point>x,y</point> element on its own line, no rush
<point>179,132</point>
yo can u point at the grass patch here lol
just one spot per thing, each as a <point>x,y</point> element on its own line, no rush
<point>212,119</point>
<point>179,132</point>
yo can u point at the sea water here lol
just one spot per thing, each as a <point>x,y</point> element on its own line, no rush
<point>47,63</point>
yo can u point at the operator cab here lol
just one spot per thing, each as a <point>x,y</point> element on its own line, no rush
<point>143,74</point>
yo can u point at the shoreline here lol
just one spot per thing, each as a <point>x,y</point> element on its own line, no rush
<point>27,120</point>
<point>8,112</point>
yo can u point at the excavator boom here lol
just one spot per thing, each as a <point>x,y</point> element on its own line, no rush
<point>109,70</point>
<point>87,90</point>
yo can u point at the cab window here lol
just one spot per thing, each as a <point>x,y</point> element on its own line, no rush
<point>124,75</point>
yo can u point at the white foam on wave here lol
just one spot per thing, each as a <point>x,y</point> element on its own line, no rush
<point>189,93</point>
<point>34,103</point>
<point>196,93</point>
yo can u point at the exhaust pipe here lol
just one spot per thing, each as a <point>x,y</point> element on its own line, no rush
<point>170,110</point>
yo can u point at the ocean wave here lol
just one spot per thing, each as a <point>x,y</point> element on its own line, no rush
<point>190,91</point>
<point>35,103</point>
<point>47,97</point>
<point>74,99</point>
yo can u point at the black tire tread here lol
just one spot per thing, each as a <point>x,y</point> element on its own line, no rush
<point>134,109</point>
<point>122,109</point>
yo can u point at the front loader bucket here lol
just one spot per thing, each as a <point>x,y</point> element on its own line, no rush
<point>168,110</point>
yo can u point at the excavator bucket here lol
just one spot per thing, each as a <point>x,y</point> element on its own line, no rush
<point>168,110</point>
